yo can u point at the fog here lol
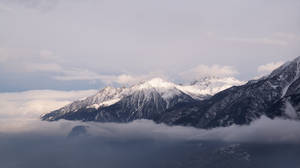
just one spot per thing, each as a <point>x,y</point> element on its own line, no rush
<point>263,130</point>
<point>142,143</point>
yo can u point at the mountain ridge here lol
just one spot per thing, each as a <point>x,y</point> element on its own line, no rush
<point>166,102</point>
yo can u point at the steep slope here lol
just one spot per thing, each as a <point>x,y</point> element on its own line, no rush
<point>241,104</point>
<point>104,97</point>
<point>146,100</point>
<point>289,104</point>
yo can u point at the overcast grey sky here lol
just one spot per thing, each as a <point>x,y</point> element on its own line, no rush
<point>86,44</point>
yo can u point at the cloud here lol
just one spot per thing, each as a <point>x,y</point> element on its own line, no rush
<point>207,70</point>
<point>87,36</point>
<point>78,74</point>
<point>42,67</point>
<point>138,144</point>
<point>127,79</point>
<point>48,55</point>
<point>267,68</point>
<point>263,130</point>
<point>41,5</point>
<point>264,40</point>
<point>31,104</point>
<point>275,39</point>
<point>286,36</point>
<point>3,55</point>
<point>45,61</point>
<point>4,8</point>
<point>24,60</point>
<point>123,79</point>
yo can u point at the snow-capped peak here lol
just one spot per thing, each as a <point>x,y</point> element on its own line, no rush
<point>210,85</point>
<point>155,83</point>
<point>165,89</point>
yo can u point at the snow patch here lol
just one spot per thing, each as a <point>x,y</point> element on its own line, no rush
<point>104,104</point>
<point>290,110</point>
<point>285,89</point>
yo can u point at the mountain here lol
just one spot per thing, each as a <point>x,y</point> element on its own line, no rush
<point>288,105</point>
<point>210,85</point>
<point>275,95</point>
<point>78,131</point>
<point>206,103</point>
<point>146,100</point>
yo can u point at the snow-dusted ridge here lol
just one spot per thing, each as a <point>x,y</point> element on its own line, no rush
<point>109,95</point>
<point>205,87</point>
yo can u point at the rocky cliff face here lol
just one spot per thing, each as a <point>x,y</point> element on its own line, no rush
<point>268,96</point>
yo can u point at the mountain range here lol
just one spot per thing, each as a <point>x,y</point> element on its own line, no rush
<point>206,103</point>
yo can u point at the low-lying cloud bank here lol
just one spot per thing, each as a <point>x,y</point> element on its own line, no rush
<point>263,130</point>
<point>31,104</point>
<point>20,115</point>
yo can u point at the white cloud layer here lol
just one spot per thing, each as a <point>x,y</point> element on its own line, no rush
<point>122,79</point>
<point>31,104</point>
<point>267,68</point>
<point>26,60</point>
<point>280,39</point>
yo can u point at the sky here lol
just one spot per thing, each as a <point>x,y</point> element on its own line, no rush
<point>88,44</point>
